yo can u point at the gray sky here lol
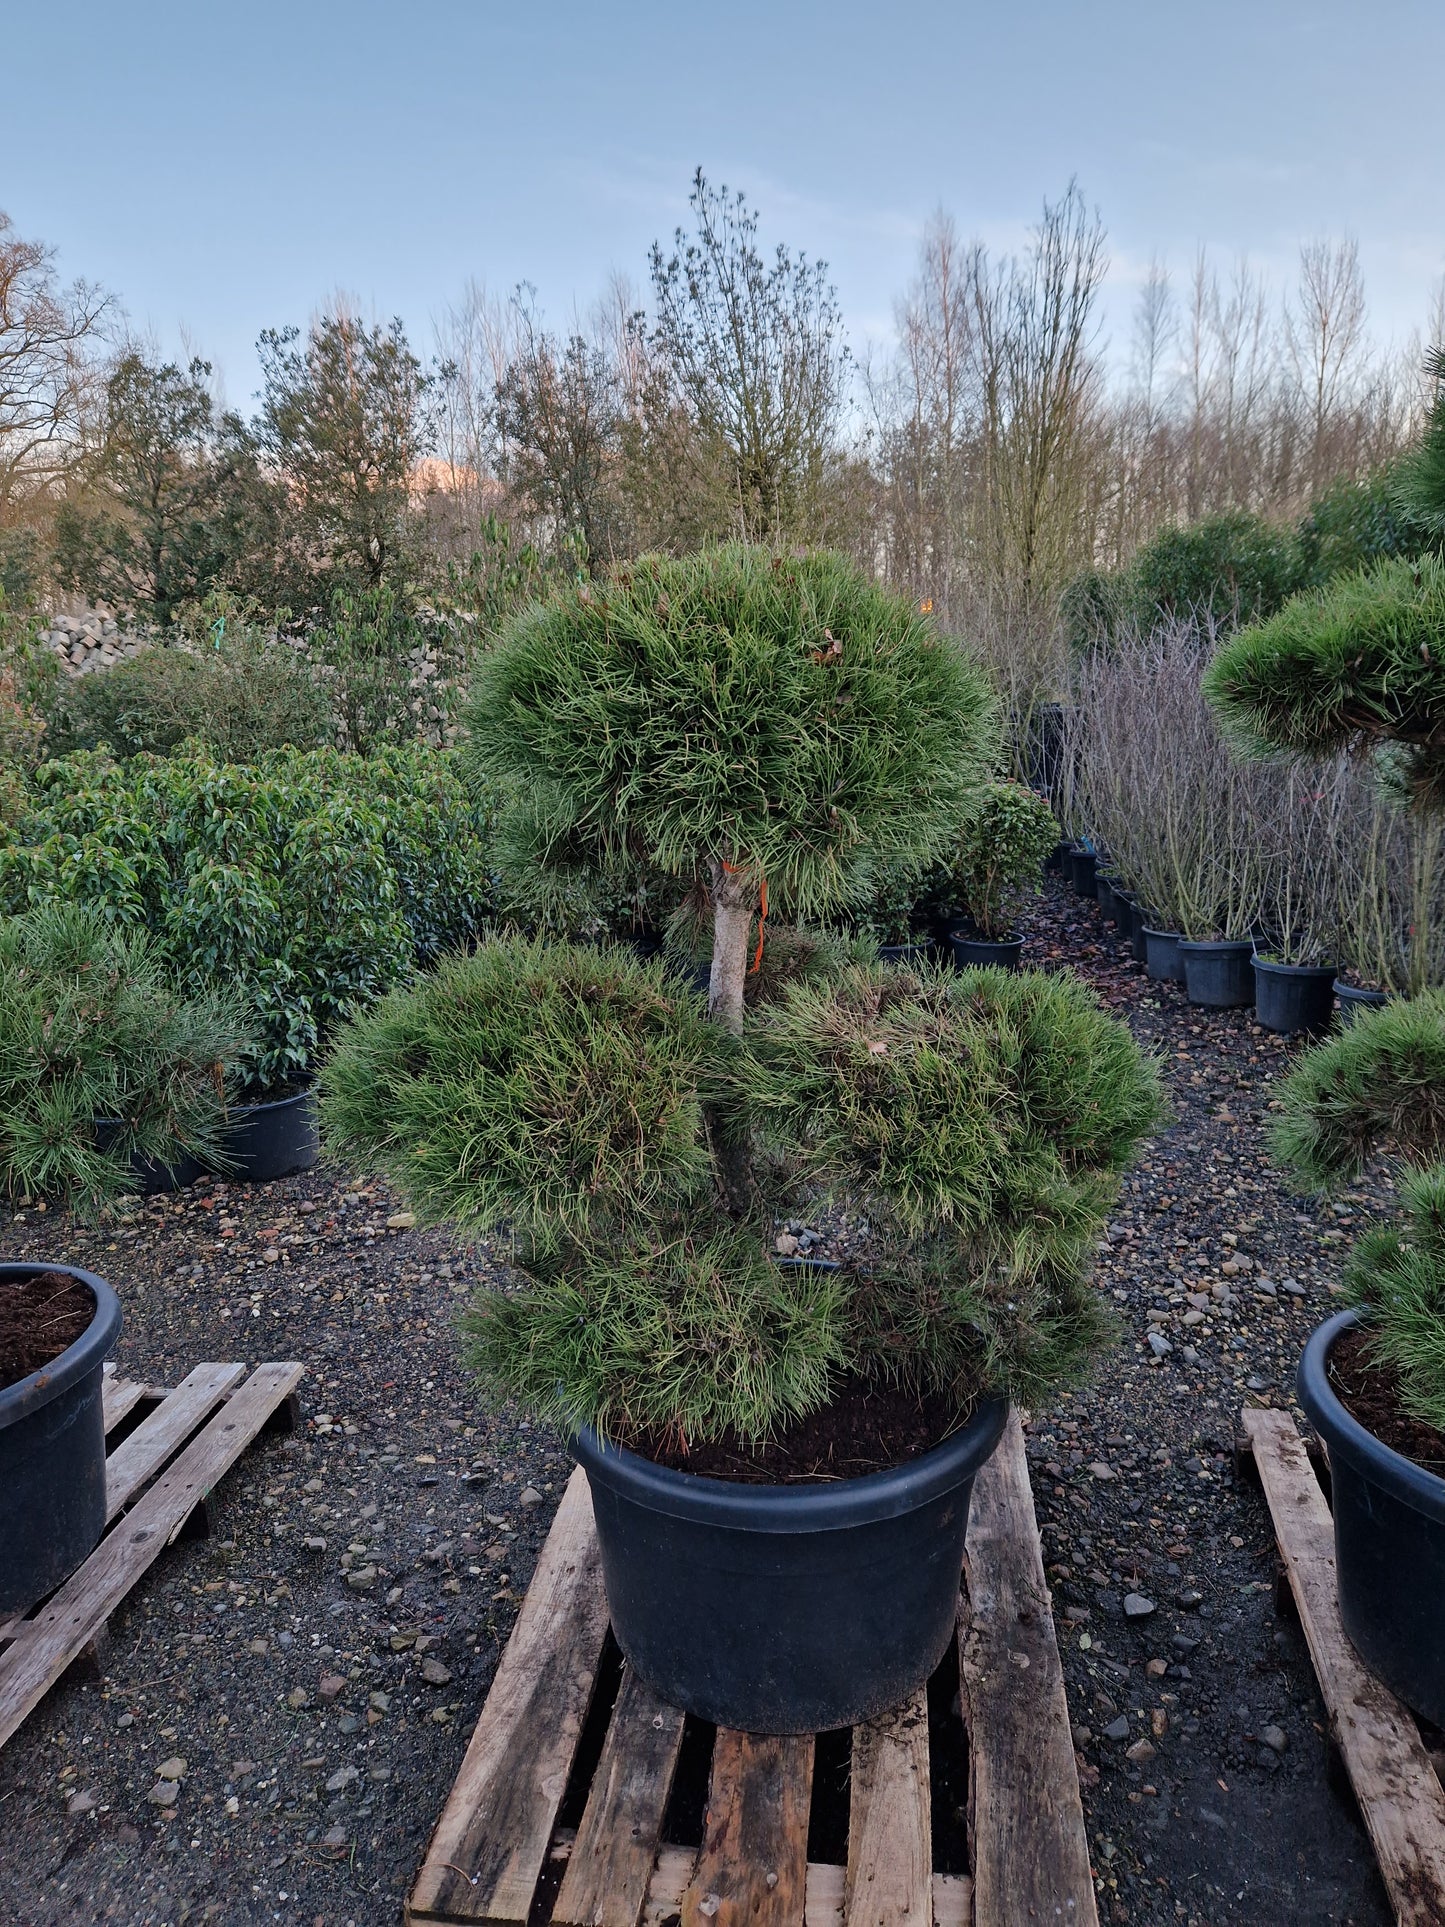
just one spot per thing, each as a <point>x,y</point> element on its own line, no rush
<point>226,168</point>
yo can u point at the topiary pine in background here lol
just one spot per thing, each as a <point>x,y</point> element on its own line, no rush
<point>744,719</point>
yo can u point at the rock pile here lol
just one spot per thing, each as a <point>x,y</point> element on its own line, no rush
<point>89,639</point>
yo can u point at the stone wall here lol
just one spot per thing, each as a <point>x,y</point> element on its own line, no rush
<point>89,639</point>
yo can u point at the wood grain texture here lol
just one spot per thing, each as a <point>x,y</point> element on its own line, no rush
<point>752,1871</point>
<point>1026,1821</point>
<point>492,1838</point>
<point>824,1897</point>
<point>118,1396</point>
<point>612,1858</point>
<point>44,1646</point>
<point>890,1838</point>
<point>164,1431</point>
<point>1399,1793</point>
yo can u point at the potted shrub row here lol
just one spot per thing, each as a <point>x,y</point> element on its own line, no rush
<point>780,1456</point>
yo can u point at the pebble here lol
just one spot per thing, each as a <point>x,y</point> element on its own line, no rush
<point>1140,1750</point>
<point>79,1803</point>
<point>298,1697</point>
<point>1117,1729</point>
<point>341,1779</point>
<point>401,1221</point>
<point>330,1685</point>
<point>434,1673</point>
<point>1102,1471</point>
<point>334,1836</point>
<point>1159,1345</point>
<point>163,1793</point>
<point>1137,1605</point>
<point>361,1578</point>
<point>1274,1738</point>
<point>172,1769</point>
<point>529,1495</point>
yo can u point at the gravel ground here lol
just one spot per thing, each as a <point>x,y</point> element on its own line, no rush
<point>283,1706</point>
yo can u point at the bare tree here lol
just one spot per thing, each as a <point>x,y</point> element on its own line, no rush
<point>1324,332</point>
<point>48,337</point>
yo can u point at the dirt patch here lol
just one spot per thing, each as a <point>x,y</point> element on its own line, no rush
<point>868,1428</point>
<point>40,1317</point>
<point>1369,1390</point>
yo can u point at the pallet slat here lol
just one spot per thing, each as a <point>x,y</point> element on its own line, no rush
<point>118,1397</point>
<point>1399,1794</point>
<point>824,1894</point>
<point>752,1870</point>
<point>492,1838</point>
<point>41,1648</point>
<point>610,1865</point>
<point>1026,1822</point>
<point>890,1845</point>
<point>164,1431</point>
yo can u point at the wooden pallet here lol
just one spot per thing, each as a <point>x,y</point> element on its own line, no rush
<point>1394,1780</point>
<point>165,1452</point>
<point>581,1797</point>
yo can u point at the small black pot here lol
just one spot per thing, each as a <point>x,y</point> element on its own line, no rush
<point>52,1455</point>
<point>1389,1540</point>
<point>969,953</point>
<point>1138,921</point>
<point>1055,860</point>
<point>265,1141</point>
<point>1085,871</point>
<point>1355,1000</point>
<point>917,952</point>
<point>152,1177</point>
<point>786,1608</point>
<point>1294,997</point>
<point>1218,976</point>
<point>1161,955</point>
<point>1104,894</point>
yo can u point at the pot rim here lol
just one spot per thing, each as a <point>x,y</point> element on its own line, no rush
<point>238,1112</point>
<point>1366,993</point>
<point>993,943</point>
<point>1293,970</point>
<point>1217,943</point>
<point>704,1500</point>
<point>1422,1490</point>
<point>52,1381</point>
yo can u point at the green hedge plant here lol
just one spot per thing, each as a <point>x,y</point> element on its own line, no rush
<point>95,1031</point>
<point>739,719</point>
<point>996,860</point>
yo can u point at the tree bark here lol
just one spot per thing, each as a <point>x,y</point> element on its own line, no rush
<point>734,900</point>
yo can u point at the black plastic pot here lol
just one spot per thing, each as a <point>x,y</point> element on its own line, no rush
<point>265,1141</point>
<point>1161,956</point>
<point>153,1177</point>
<point>1085,868</point>
<point>1138,921</point>
<point>1355,1000</point>
<point>918,952</point>
<point>1294,997</point>
<point>52,1455</point>
<point>971,952</point>
<point>1389,1540</point>
<point>1218,976</point>
<point>1104,895</point>
<point>1056,859</point>
<point>786,1609</point>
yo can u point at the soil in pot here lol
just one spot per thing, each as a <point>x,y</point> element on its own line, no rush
<point>1294,997</point>
<point>1218,976</point>
<point>971,952</point>
<point>788,1608</point>
<point>1389,1514</point>
<point>56,1325</point>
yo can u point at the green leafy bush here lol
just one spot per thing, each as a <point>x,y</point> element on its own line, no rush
<point>998,856</point>
<point>1353,525</point>
<point>93,1027</point>
<point>315,882</point>
<point>1232,569</point>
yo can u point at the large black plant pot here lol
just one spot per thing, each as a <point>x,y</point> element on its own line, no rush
<point>1104,893</point>
<point>1138,923</point>
<point>1085,871</point>
<point>52,1455</point>
<point>1294,997</point>
<point>265,1141</point>
<point>786,1609</point>
<point>970,953</point>
<point>152,1178</point>
<point>1389,1540</point>
<point>1161,955</point>
<point>1355,1000</point>
<point>1218,976</point>
<point>919,951</point>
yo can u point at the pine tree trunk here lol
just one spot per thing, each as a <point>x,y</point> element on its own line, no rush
<point>734,899</point>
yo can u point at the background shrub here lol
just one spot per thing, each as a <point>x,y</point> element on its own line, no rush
<point>997,858</point>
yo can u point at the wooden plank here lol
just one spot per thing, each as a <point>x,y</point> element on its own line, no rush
<point>139,1457</point>
<point>824,1892</point>
<point>752,1870</point>
<point>118,1396</point>
<point>890,1836</point>
<point>1026,1821</point>
<point>44,1646</point>
<point>611,1861</point>
<point>492,1837</point>
<point>1399,1794</point>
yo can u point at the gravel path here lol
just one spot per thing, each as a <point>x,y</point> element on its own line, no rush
<point>309,1675</point>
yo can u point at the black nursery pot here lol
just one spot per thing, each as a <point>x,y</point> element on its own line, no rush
<point>786,1609</point>
<point>970,952</point>
<point>1085,871</point>
<point>919,951</point>
<point>1056,860</point>
<point>1104,892</point>
<point>1218,976</point>
<point>153,1177</point>
<point>52,1455</point>
<point>1161,955</point>
<point>1294,997</point>
<point>1355,1000</point>
<point>1138,944</point>
<point>1389,1540</point>
<point>265,1141</point>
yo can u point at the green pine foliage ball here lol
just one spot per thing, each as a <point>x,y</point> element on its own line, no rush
<point>550,1087</point>
<point>1396,1277</point>
<point>780,713</point>
<point>1379,1083</point>
<point>1357,664</point>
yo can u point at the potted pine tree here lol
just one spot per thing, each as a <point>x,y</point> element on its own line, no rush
<point>1360,666</point>
<point>780,1455</point>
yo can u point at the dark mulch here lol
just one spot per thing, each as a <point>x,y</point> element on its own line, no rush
<point>1369,1390</point>
<point>40,1317</point>
<point>868,1428</point>
<point>288,1653</point>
